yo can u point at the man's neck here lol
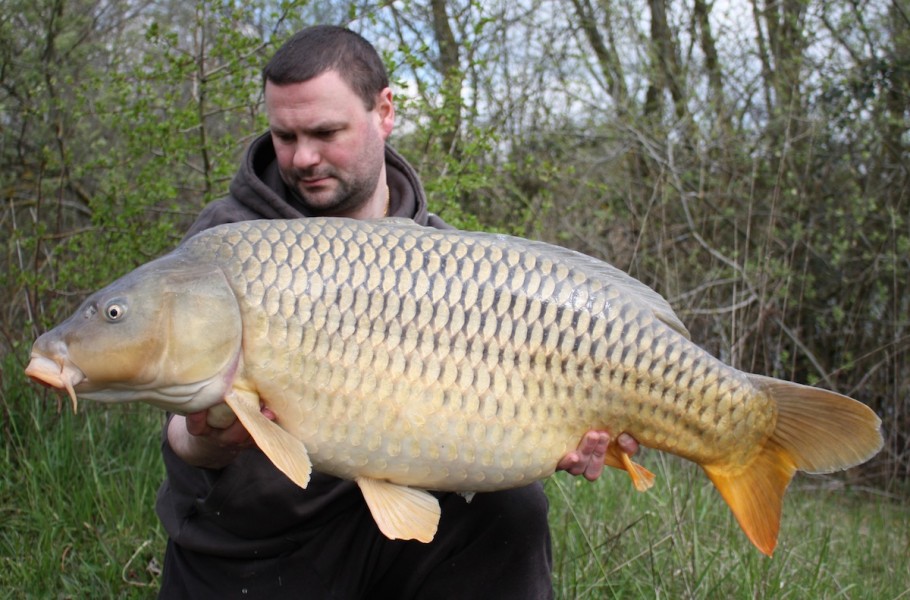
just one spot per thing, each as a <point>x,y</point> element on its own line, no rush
<point>376,208</point>
<point>379,204</point>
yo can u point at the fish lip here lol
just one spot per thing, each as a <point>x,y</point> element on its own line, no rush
<point>56,373</point>
<point>45,371</point>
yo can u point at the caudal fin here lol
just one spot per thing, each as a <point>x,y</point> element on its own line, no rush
<point>817,431</point>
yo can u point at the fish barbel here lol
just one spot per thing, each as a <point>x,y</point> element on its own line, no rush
<point>411,359</point>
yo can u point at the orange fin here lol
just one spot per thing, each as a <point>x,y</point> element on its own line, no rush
<point>755,493</point>
<point>642,478</point>
<point>817,431</point>
<point>823,431</point>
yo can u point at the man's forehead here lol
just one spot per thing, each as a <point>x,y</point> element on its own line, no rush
<point>328,82</point>
<point>311,104</point>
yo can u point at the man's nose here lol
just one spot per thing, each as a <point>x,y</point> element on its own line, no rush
<point>306,156</point>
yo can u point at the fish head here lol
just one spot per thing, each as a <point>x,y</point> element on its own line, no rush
<point>168,333</point>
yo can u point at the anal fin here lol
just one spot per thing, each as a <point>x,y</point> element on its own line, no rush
<point>400,512</point>
<point>642,478</point>
<point>285,451</point>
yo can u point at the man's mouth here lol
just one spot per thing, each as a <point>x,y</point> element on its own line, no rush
<point>314,180</point>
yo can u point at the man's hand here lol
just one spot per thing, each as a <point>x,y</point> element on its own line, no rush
<point>588,458</point>
<point>201,444</point>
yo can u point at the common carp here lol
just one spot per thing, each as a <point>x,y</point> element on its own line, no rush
<point>412,359</point>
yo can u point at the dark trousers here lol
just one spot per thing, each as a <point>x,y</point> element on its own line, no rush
<point>497,546</point>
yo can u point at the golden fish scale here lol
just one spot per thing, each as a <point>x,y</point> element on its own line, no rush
<point>466,362</point>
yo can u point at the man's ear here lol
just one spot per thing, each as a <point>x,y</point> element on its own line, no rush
<point>385,111</point>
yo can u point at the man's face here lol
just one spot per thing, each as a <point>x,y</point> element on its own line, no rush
<point>330,148</point>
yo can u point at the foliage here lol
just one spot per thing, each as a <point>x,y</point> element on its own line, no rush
<point>116,151</point>
<point>77,496</point>
<point>766,198</point>
<point>748,160</point>
<point>679,541</point>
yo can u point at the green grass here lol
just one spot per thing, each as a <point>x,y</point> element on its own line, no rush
<point>680,540</point>
<point>77,497</point>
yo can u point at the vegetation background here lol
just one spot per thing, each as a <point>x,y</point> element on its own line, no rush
<point>747,158</point>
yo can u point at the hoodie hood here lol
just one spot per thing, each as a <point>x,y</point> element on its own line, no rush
<point>259,187</point>
<point>258,192</point>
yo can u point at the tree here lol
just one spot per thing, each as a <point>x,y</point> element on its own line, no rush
<point>748,160</point>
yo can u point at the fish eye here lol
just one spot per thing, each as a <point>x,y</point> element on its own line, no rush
<point>114,311</point>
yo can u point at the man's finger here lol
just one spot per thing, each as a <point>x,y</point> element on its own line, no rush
<point>571,463</point>
<point>627,443</point>
<point>196,423</point>
<point>595,463</point>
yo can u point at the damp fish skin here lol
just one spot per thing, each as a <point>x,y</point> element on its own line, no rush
<point>410,359</point>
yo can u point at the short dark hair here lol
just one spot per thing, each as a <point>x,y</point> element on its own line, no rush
<point>312,51</point>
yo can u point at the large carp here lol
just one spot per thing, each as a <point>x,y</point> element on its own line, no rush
<point>412,359</point>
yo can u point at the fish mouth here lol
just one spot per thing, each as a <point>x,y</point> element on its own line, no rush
<point>57,374</point>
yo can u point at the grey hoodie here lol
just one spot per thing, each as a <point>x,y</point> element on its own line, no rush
<point>258,192</point>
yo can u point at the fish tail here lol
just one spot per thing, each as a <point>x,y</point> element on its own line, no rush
<point>817,431</point>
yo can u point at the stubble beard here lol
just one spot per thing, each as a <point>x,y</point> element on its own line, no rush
<point>345,194</point>
<point>342,198</point>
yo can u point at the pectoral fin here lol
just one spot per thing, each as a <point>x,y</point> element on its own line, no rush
<point>284,450</point>
<point>642,478</point>
<point>402,513</point>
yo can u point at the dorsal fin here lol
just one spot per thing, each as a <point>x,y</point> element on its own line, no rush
<point>593,268</point>
<point>600,270</point>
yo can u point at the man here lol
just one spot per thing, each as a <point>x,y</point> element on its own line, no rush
<point>240,528</point>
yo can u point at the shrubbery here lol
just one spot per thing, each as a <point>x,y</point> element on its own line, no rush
<point>757,177</point>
